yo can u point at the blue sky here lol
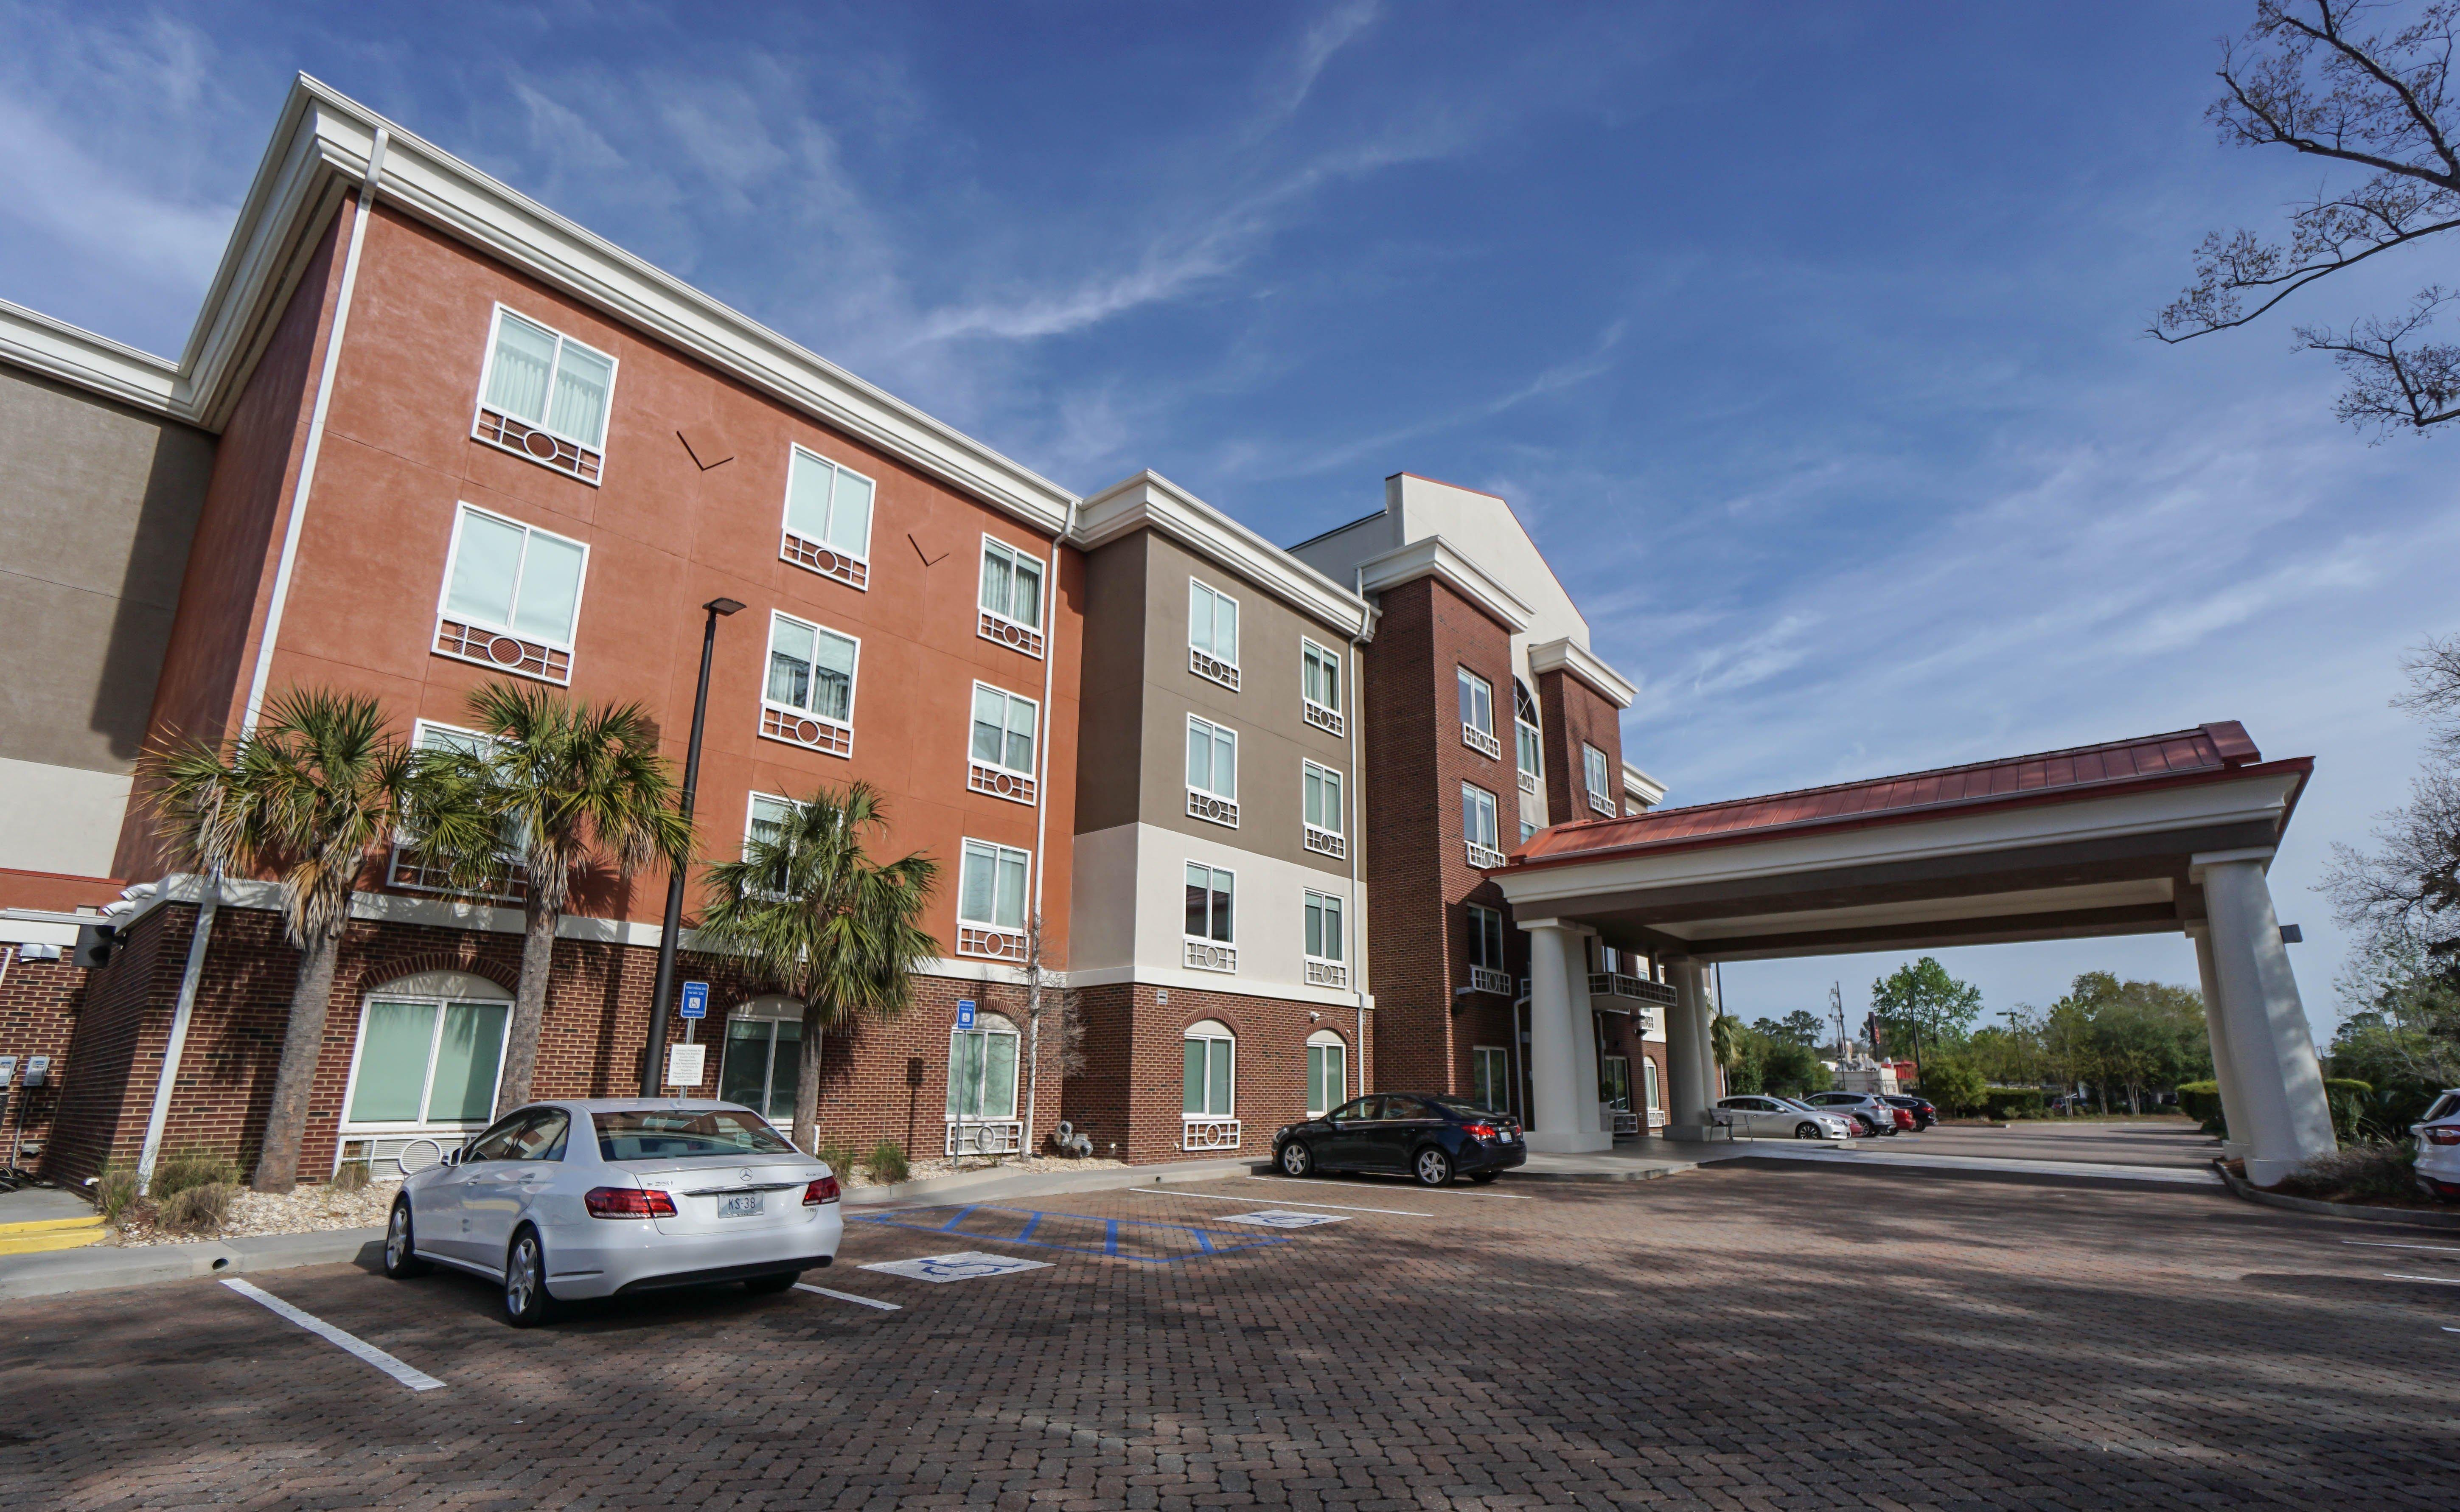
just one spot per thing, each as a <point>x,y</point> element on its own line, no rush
<point>1806,338</point>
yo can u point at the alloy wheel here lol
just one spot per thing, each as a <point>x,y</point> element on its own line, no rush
<point>1294,1158</point>
<point>398,1237</point>
<point>521,1279</point>
<point>1435,1168</point>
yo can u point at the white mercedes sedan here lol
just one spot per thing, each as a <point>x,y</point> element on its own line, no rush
<point>602,1197</point>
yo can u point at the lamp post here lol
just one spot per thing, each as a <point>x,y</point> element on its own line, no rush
<point>653,1074</point>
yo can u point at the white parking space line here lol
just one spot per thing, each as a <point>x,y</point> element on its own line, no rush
<point>2385,1244</point>
<point>1483,1197</point>
<point>416,1380</point>
<point>2440,1281</point>
<point>848,1296</point>
<point>1215,1197</point>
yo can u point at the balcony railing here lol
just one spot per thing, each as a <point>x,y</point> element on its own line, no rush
<point>498,429</point>
<point>809,731</point>
<point>1482,741</point>
<point>1328,720</point>
<point>1226,673</point>
<point>1203,955</point>
<point>1638,988</point>
<point>409,869</point>
<point>1603,803</point>
<point>1208,1133</point>
<point>465,641</point>
<point>981,777</point>
<point>1486,979</point>
<point>985,1136</point>
<point>990,942</point>
<point>1327,973</point>
<point>1528,783</point>
<point>1008,633</point>
<point>1483,857</point>
<point>1325,843</point>
<point>825,559</point>
<point>1212,806</point>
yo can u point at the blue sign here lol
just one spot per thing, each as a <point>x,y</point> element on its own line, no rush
<point>695,1000</point>
<point>964,1013</point>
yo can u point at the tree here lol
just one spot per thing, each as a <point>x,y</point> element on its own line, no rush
<point>2402,899</point>
<point>1955,1084</point>
<point>1725,1039</point>
<point>312,796</point>
<point>2309,77</point>
<point>553,792</point>
<point>2133,1037</point>
<point>810,910</point>
<point>1801,1026</point>
<point>1919,1002</point>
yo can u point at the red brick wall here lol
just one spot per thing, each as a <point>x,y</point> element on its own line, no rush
<point>1571,713</point>
<point>1131,1091</point>
<point>38,1014</point>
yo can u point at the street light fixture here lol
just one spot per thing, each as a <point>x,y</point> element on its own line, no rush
<point>653,1073</point>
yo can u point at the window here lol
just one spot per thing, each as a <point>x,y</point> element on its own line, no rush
<point>1324,833</point>
<point>1325,957</point>
<point>1487,970</point>
<point>991,901</point>
<point>1212,771</point>
<point>1211,906</point>
<point>1527,830</point>
<point>764,1057</point>
<point>981,1086</point>
<point>1001,758</point>
<point>809,700</point>
<point>1327,1072</point>
<point>428,1055</point>
<point>1614,1083</point>
<point>1213,634</point>
<point>1319,687</point>
<point>764,823</point>
<point>544,396</point>
<point>512,594</point>
<point>1490,1078</point>
<point>1011,601</point>
<point>1477,714</point>
<point>828,519</point>
<point>1525,743</point>
<point>1477,826</point>
<point>412,871</point>
<point>1592,765</point>
<point>1649,1068</point>
<point>1207,1085</point>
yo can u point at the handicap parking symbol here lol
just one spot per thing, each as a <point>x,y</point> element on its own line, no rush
<point>968,1265</point>
<point>1281,1217</point>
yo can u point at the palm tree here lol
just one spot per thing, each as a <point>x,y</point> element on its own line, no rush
<point>553,789</point>
<point>808,910</point>
<point>1724,1041</point>
<point>309,796</point>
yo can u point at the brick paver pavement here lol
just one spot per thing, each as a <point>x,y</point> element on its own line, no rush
<point>1736,1337</point>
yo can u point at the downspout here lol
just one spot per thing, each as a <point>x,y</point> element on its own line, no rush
<point>159,1117</point>
<point>1357,710</point>
<point>1042,827</point>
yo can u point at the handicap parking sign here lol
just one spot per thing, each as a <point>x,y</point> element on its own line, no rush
<point>1280,1218</point>
<point>967,1265</point>
<point>964,1013</point>
<point>695,1000</point>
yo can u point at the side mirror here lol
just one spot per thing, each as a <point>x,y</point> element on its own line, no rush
<point>453,1157</point>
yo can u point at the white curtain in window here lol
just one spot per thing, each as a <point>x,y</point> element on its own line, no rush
<point>1213,622</point>
<point>1212,759</point>
<point>550,590</point>
<point>1323,798</point>
<point>486,570</point>
<point>991,891</point>
<point>516,380</point>
<point>582,379</point>
<point>1003,728</point>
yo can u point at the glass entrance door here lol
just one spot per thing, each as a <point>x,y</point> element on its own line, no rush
<point>1614,1083</point>
<point>764,1057</point>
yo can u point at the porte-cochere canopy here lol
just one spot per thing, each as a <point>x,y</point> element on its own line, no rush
<point>2162,833</point>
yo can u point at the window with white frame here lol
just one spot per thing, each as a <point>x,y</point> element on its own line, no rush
<point>763,1058</point>
<point>1011,597</point>
<point>1325,833</point>
<point>1487,970</point>
<point>1327,963</point>
<point>1477,826</point>
<point>544,396</point>
<point>1490,1078</point>
<point>764,823</point>
<point>828,519</point>
<point>1327,1072</point>
<point>991,901</point>
<point>1212,905</point>
<point>429,1050</point>
<point>982,1088</point>
<point>1477,714</point>
<point>512,596</point>
<point>1320,685</point>
<point>1000,761</point>
<point>1212,771</point>
<point>1208,1085</point>
<point>1212,634</point>
<point>1594,769</point>
<point>809,698</point>
<point>1526,747</point>
<point>411,869</point>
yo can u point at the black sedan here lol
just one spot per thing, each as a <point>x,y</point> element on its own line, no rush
<point>1431,1136</point>
<point>1924,1114</point>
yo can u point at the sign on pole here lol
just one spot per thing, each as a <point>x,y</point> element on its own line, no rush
<point>964,1013</point>
<point>685,1064</point>
<point>695,1000</point>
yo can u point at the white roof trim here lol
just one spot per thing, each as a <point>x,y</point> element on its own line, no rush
<point>1570,657</point>
<point>1435,554</point>
<point>1149,500</point>
<point>1639,784</point>
<point>59,350</point>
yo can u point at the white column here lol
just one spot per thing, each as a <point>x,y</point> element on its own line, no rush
<point>2234,1111</point>
<point>1562,1106</point>
<point>2271,1049</point>
<point>1691,1076</point>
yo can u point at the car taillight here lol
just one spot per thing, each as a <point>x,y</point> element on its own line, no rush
<point>823,1190</point>
<point>629,1202</point>
<point>2443,1136</point>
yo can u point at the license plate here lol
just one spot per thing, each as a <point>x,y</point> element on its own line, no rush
<point>746,1205</point>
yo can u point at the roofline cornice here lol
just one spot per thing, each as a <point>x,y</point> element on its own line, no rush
<point>1568,656</point>
<point>1150,501</point>
<point>69,355</point>
<point>1434,556</point>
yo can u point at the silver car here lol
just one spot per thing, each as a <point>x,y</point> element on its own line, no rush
<point>1754,1116</point>
<point>1871,1110</point>
<point>605,1195</point>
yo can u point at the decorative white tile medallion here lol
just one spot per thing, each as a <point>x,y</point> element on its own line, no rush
<point>1280,1218</point>
<point>967,1265</point>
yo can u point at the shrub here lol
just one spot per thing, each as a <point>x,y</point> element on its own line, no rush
<point>115,1192</point>
<point>2352,1103</point>
<point>2201,1101</point>
<point>350,1176</point>
<point>2357,1171</point>
<point>2015,1102</point>
<point>887,1163</point>
<point>836,1154</point>
<point>199,1210</point>
<point>173,1174</point>
<point>1954,1085</point>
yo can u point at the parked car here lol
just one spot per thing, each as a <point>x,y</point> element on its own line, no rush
<point>2438,1145</point>
<point>1863,1107</point>
<point>1762,1117</point>
<point>1924,1114</point>
<point>1431,1136</point>
<point>609,1196</point>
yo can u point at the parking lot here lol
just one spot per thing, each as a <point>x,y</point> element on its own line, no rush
<point>1743,1336</point>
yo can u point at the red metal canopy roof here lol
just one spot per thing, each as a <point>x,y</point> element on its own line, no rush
<point>2083,771</point>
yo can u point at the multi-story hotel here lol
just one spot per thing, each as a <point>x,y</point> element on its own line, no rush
<point>429,436</point>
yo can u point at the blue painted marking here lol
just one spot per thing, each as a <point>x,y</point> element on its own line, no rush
<point>1110,1227</point>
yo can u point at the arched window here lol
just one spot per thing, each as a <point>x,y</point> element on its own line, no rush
<point>428,1052</point>
<point>764,1057</point>
<point>982,1069</point>
<point>1327,1072</point>
<point>1210,1084</point>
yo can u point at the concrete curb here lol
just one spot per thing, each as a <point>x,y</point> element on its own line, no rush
<point>97,1269</point>
<point>2238,1186</point>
